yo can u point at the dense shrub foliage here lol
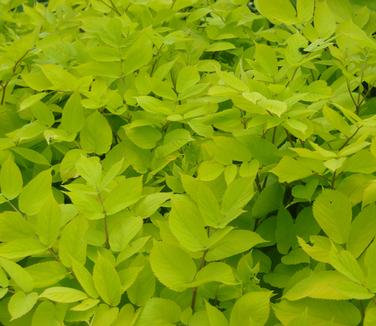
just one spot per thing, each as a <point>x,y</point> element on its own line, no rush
<point>187,162</point>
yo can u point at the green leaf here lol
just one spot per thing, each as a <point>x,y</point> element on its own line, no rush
<point>73,242</point>
<point>48,222</point>
<point>289,170</point>
<point>370,314</point>
<point>96,134</point>
<point>235,242</point>
<point>84,278</point>
<point>327,285</point>
<point>59,78</point>
<point>361,162</point>
<point>35,193</point>
<point>46,273</point>
<point>214,272</point>
<point>205,199</point>
<point>317,312</point>
<point>172,266</point>
<point>186,224</point>
<point>13,226</point>
<point>324,19</point>
<point>63,294</point>
<point>45,314</point>
<point>158,312</point>
<point>85,305</point>
<point>277,10</point>
<point>209,170</point>
<point>18,274</point>
<point>73,118</point>
<point>188,77</point>
<point>251,309</point>
<point>237,195</point>
<point>153,105</point>
<point>138,55</point>
<point>332,211</point>
<point>266,58</point>
<point>126,193</point>
<point>215,316</point>
<point>122,228</point>
<point>305,9</point>
<point>149,204</point>
<point>21,248</point>
<point>145,137</point>
<point>107,281</point>
<point>143,288</point>
<point>90,169</point>
<point>10,179</point>
<point>21,303</point>
<point>363,230</point>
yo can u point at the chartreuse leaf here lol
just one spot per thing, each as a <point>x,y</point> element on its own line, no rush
<point>48,222</point>
<point>21,303</point>
<point>143,288</point>
<point>125,194</point>
<point>46,273</point>
<point>332,211</point>
<point>18,274</point>
<point>277,10</point>
<point>237,195</point>
<point>172,266</point>
<point>324,19</point>
<point>233,243</point>
<point>96,134</point>
<point>84,278</point>
<point>188,77</point>
<point>251,309</point>
<point>305,9</point>
<point>72,119</point>
<point>73,242</point>
<point>63,294</point>
<point>10,179</point>
<point>35,193</point>
<point>215,316</point>
<point>317,312</point>
<point>90,169</point>
<point>370,314</point>
<point>205,199</point>
<point>45,314</point>
<point>139,54</point>
<point>327,285</point>
<point>122,228</point>
<point>214,272</point>
<point>159,311</point>
<point>107,281</point>
<point>370,266</point>
<point>187,224</point>
<point>105,315</point>
<point>21,248</point>
<point>85,305</point>
<point>13,226</point>
<point>289,170</point>
<point>363,230</point>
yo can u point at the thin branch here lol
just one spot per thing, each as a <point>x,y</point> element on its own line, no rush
<point>352,96</point>
<point>194,290</point>
<point>333,181</point>
<point>105,221</point>
<point>348,139</point>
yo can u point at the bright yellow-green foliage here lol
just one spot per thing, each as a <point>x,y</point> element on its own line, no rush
<point>187,162</point>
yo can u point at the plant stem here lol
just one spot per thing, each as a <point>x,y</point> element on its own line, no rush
<point>105,221</point>
<point>348,139</point>
<point>194,290</point>
<point>332,184</point>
